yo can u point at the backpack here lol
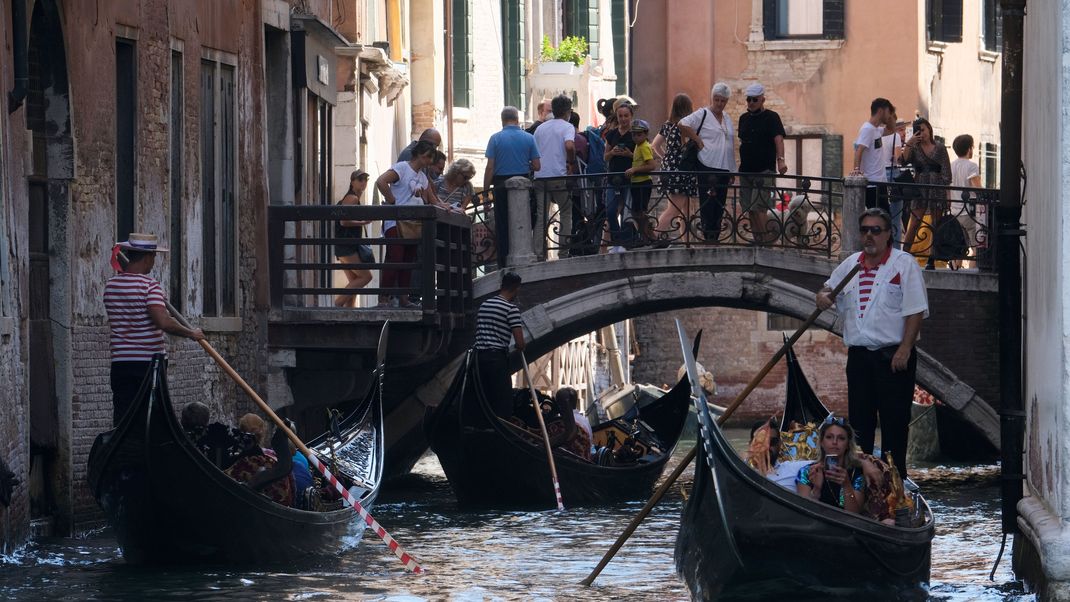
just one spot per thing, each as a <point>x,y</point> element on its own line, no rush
<point>949,239</point>
<point>596,162</point>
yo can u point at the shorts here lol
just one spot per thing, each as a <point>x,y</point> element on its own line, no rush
<point>639,201</point>
<point>756,192</point>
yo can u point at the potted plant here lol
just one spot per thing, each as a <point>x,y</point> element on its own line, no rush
<point>569,54</point>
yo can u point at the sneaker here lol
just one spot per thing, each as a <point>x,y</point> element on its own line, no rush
<point>616,249</point>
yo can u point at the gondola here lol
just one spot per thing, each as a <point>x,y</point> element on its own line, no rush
<point>490,462</point>
<point>743,537</point>
<point>168,503</point>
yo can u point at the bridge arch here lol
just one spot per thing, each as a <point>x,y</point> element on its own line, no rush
<point>554,321</point>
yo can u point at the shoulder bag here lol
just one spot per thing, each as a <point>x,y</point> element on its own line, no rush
<point>689,154</point>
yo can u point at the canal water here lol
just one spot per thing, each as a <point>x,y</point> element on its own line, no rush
<point>499,555</point>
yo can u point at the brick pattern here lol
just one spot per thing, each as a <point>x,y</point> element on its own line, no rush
<point>735,345</point>
<point>14,448</point>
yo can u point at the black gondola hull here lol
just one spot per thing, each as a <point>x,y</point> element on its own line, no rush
<point>489,464</point>
<point>169,504</point>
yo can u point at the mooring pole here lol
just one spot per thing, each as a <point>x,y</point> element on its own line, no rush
<point>1009,233</point>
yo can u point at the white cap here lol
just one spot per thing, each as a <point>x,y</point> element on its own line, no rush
<point>755,90</point>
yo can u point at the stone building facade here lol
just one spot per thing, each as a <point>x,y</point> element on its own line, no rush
<point>174,117</point>
<point>822,62</point>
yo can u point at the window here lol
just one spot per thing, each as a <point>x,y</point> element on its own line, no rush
<point>992,26</point>
<point>175,283</point>
<point>462,53</point>
<point>781,322</point>
<point>513,45</point>
<point>990,165</point>
<point>125,136</point>
<point>619,25</point>
<point>580,19</point>
<point>784,19</point>
<point>945,21</point>
<point>218,188</point>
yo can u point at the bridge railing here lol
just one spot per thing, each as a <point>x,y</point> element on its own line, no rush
<point>433,273</point>
<point>583,215</point>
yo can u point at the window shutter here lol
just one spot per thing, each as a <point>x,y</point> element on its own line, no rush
<point>619,22</point>
<point>591,30</point>
<point>833,19</point>
<point>462,53</point>
<point>998,8</point>
<point>513,52</point>
<point>945,21</point>
<point>769,19</point>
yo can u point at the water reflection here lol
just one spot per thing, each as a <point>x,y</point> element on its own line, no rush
<point>498,555</point>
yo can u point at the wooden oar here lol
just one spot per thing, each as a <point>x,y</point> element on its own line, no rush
<point>545,436</point>
<point>409,562</point>
<point>754,382</point>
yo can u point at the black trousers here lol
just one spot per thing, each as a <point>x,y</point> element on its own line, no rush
<point>126,378</point>
<point>712,194</point>
<point>494,377</point>
<point>501,217</point>
<point>874,390</point>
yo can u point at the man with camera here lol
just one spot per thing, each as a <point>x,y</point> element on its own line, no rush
<point>882,311</point>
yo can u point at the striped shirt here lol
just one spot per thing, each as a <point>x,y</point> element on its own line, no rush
<point>495,323</point>
<point>134,338</point>
<point>867,276</point>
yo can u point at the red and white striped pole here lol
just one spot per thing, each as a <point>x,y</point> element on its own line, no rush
<point>406,559</point>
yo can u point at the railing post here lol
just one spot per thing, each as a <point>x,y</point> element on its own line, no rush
<point>854,202</point>
<point>427,259</point>
<point>520,238</point>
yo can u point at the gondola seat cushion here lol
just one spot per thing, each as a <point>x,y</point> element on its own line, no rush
<point>800,443</point>
<point>280,491</point>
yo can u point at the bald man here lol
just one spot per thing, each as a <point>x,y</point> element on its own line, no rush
<point>429,135</point>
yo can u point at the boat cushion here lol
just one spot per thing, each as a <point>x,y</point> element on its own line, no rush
<point>799,443</point>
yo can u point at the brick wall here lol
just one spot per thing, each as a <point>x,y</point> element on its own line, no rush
<point>14,448</point>
<point>735,345</point>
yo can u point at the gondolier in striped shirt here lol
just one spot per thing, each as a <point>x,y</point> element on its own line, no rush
<point>882,311</point>
<point>138,317</point>
<point>497,324</point>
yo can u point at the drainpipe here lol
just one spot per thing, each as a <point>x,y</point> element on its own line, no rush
<point>19,52</point>
<point>1008,261</point>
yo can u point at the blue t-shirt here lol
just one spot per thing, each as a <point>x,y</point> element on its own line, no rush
<point>301,473</point>
<point>512,149</point>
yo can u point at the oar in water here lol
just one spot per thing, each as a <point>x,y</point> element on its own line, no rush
<point>545,436</point>
<point>406,559</point>
<point>754,382</point>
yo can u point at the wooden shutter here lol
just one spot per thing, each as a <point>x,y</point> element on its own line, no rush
<point>769,19</point>
<point>619,22</point>
<point>513,52</point>
<point>833,19</point>
<point>462,53</point>
<point>945,21</point>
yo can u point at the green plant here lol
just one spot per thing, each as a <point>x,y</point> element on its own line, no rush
<point>572,49</point>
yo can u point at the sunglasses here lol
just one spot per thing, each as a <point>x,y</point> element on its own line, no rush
<point>874,230</point>
<point>753,98</point>
<point>837,420</point>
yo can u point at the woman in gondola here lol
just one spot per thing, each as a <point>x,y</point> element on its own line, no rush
<point>836,478</point>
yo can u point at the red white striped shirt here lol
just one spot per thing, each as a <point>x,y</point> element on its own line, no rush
<point>867,276</point>
<point>134,337</point>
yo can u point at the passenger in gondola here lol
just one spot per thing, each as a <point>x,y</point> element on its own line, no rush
<point>764,455</point>
<point>497,324</point>
<point>195,417</point>
<point>579,441</point>
<point>836,478</point>
<point>261,470</point>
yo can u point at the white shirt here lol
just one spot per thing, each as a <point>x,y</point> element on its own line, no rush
<point>962,169</point>
<point>785,473</point>
<point>898,292</point>
<point>405,190</point>
<point>871,139</point>
<point>718,139</point>
<point>583,423</point>
<point>550,138</point>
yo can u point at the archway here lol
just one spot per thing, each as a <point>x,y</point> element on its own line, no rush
<point>51,168</point>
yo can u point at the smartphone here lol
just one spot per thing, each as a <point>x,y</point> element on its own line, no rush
<point>622,145</point>
<point>832,461</point>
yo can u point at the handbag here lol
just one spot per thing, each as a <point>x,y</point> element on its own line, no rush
<point>689,153</point>
<point>410,228</point>
<point>949,239</point>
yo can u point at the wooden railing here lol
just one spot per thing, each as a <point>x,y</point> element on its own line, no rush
<point>302,259</point>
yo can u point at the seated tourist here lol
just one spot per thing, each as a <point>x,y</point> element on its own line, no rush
<point>764,455</point>
<point>260,470</point>
<point>253,425</point>
<point>580,441</point>
<point>195,417</point>
<point>302,476</point>
<point>836,478</point>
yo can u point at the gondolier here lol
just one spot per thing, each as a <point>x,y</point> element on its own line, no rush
<point>497,322</point>
<point>137,317</point>
<point>882,310</point>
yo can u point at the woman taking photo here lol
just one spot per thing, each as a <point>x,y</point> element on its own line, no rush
<point>353,254</point>
<point>454,189</point>
<point>931,166</point>
<point>680,189</point>
<point>836,478</point>
<point>404,184</point>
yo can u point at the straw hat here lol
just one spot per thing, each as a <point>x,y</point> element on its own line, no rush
<point>146,243</point>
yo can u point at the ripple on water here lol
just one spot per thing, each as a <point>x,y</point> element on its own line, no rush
<point>499,555</point>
